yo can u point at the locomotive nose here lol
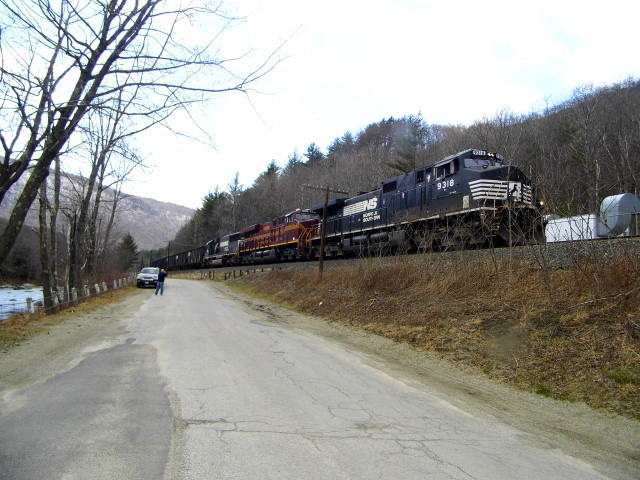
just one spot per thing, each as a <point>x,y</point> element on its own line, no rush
<point>505,173</point>
<point>516,175</point>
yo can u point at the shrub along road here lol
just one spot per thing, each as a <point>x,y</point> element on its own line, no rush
<point>205,383</point>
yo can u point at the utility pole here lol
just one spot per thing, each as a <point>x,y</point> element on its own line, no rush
<point>323,231</point>
<point>323,226</point>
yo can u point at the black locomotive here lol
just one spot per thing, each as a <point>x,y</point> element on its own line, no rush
<point>471,199</point>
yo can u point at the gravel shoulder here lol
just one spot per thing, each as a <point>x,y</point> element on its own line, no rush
<point>610,443</point>
<point>62,346</point>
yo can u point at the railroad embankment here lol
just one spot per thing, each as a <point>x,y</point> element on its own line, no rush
<point>566,326</point>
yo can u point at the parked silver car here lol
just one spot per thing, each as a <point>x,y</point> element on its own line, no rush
<point>148,276</point>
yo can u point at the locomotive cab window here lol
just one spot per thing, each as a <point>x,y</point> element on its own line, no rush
<point>304,216</point>
<point>389,187</point>
<point>420,176</point>
<point>446,169</point>
<point>477,162</point>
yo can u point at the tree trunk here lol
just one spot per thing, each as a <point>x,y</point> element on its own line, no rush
<point>73,272</point>
<point>45,258</point>
<point>21,209</point>
<point>92,231</point>
<point>77,255</point>
<point>53,225</point>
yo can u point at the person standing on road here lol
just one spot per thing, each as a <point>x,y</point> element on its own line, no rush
<point>160,284</point>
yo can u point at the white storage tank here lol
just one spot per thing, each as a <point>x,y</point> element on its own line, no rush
<point>616,214</point>
<point>615,220</point>
<point>572,229</point>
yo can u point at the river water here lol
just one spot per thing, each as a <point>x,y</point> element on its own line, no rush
<point>14,299</point>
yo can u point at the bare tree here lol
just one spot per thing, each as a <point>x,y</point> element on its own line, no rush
<point>584,115</point>
<point>105,133</point>
<point>111,178</point>
<point>502,133</point>
<point>48,235</point>
<point>63,59</point>
<point>622,133</point>
<point>234,190</point>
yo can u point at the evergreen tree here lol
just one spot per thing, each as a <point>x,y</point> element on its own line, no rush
<point>409,142</point>
<point>294,160</point>
<point>342,145</point>
<point>270,174</point>
<point>127,252</point>
<point>313,154</point>
<point>211,220</point>
<point>234,192</point>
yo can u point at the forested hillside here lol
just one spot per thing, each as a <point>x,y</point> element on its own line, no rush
<point>151,223</point>
<point>578,151</point>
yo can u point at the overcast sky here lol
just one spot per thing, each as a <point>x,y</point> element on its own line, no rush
<point>351,63</point>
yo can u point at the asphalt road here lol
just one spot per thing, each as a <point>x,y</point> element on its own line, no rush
<point>199,387</point>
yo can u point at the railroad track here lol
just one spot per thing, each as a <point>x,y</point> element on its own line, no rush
<point>550,255</point>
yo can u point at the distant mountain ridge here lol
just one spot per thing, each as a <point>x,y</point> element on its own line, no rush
<point>152,223</point>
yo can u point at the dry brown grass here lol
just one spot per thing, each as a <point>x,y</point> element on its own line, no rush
<point>571,334</point>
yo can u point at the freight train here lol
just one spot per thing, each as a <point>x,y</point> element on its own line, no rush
<point>472,199</point>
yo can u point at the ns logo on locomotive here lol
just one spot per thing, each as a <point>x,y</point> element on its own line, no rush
<point>471,199</point>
